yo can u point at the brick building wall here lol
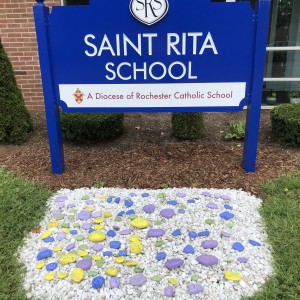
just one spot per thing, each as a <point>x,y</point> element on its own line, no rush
<point>17,32</point>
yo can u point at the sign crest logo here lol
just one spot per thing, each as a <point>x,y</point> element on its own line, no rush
<point>149,11</point>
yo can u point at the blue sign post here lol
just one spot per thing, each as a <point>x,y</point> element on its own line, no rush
<point>152,56</point>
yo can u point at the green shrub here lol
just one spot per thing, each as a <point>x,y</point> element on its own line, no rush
<point>237,131</point>
<point>285,123</point>
<point>15,121</point>
<point>91,127</point>
<point>187,126</point>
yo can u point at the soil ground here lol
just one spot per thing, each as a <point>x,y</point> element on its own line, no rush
<point>148,156</point>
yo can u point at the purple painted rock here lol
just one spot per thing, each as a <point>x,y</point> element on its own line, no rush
<point>225,234</point>
<point>167,213</point>
<point>70,205</point>
<point>181,211</point>
<point>209,244</point>
<point>125,232</point>
<point>194,288</point>
<point>207,260</point>
<point>155,232</point>
<point>114,283</point>
<point>84,215</point>
<point>60,205</point>
<point>212,205</point>
<point>86,226</point>
<point>60,236</point>
<point>225,197</point>
<point>96,214</point>
<point>61,199</point>
<point>90,202</point>
<point>97,247</point>
<point>149,208</point>
<point>243,260</point>
<point>169,291</point>
<point>217,196</point>
<point>173,263</point>
<point>207,194</point>
<point>116,228</point>
<point>84,264</point>
<point>138,280</point>
<point>70,247</point>
<point>180,194</point>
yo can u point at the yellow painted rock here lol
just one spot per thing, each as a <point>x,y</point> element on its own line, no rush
<point>99,227</point>
<point>62,275</point>
<point>139,223</point>
<point>173,281</point>
<point>89,208</point>
<point>40,265</point>
<point>46,234</point>
<point>67,259</point>
<point>131,263</point>
<point>49,276</point>
<point>236,276</point>
<point>53,224</point>
<point>120,259</point>
<point>111,271</point>
<point>103,197</point>
<point>66,230</point>
<point>134,238</point>
<point>96,257</point>
<point>77,275</point>
<point>97,236</point>
<point>82,253</point>
<point>136,248</point>
<point>57,248</point>
<point>98,220</point>
<point>107,214</point>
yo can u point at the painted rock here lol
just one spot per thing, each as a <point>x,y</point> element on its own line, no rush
<point>46,234</point>
<point>173,263</point>
<point>67,259</point>
<point>144,195</point>
<point>98,282</point>
<point>161,255</point>
<point>209,244</point>
<point>57,248</point>
<point>131,263</point>
<point>173,281</point>
<point>235,276</point>
<point>229,207</point>
<point>191,201</point>
<point>111,271</point>
<point>96,214</point>
<point>156,278</point>
<point>98,220</point>
<point>176,232</point>
<point>115,244</point>
<point>97,247</point>
<point>225,234</point>
<point>138,280</point>
<point>77,275</point>
<point>136,248</point>
<point>51,266</point>
<point>120,259</point>
<point>53,224</point>
<point>84,264</point>
<point>128,203</point>
<point>169,291</point>
<point>212,205</point>
<point>130,212</point>
<point>167,213</point>
<point>62,275</point>
<point>44,254</point>
<point>111,233</point>
<point>226,215</point>
<point>193,234</point>
<point>122,253</point>
<point>40,265</point>
<point>139,223</point>
<point>49,276</point>
<point>97,236</point>
<point>194,288</point>
<point>243,259</point>
<point>149,208</point>
<point>125,232</point>
<point>49,239</point>
<point>60,199</point>
<point>114,283</point>
<point>254,243</point>
<point>135,238</point>
<point>238,247</point>
<point>107,214</point>
<point>155,232</point>
<point>189,249</point>
<point>172,202</point>
<point>207,260</point>
<point>180,194</point>
<point>107,253</point>
<point>209,221</point>
<point>84,215</point>
<point>203,233</point>
<point>181,211</point>
<point>60,236</point>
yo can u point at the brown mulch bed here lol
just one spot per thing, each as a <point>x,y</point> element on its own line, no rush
<point>147,156</point>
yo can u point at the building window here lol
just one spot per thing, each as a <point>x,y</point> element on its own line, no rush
<point>76,2</point>
<point>282,70</point>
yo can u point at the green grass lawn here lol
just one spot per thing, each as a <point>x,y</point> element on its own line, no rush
<point>22,206</point>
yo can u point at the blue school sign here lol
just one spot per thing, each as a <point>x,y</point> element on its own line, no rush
<point>152,56</point>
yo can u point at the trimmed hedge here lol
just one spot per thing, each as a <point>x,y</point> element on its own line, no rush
<point>15,121</point>
<point>91,127</point>
<point>188,125</point>
<point>285,123</point>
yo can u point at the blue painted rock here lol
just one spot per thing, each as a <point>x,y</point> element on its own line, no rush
<point>114,283</point>
<point>107,253</point>
<point>209,244</point>
<point>167,213</point>
<point>122,253</point>
<point>189,249</point>
<point>51,267</point>
<point>176,232</point>
<point>173,263</point>
<point>111,233</point>
<point>238,246</point>
<point>132,194</point>
<point>115,244</point>
<point>73,231</point>
<point>194,288</point>
<point>193,234</point>
<point>117,200</point>
<point>45,253</point>
<point>121,213</point>
<point>149,208</point>
<point>130,212</point>
<point>207,260</point>
<point>226,215</point>
<point>181,211</point>
<point>227,206</point>
<point>128,203</point>
<point>84,215</point>
<point>254,243</point>
<point>172,202</point>
<point>155,232</point>
<point>191,201</point>
<point>84,264</point>
<point>49,239</point>
<point>161,256</point>
<point>169,291</point>
<point>138,279</point>
<point>144,195</point>
<point>109,200</point>
<point>203,233</point>
<point>98,282</point>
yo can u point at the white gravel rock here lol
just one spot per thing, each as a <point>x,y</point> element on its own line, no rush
<point>247,224</point>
